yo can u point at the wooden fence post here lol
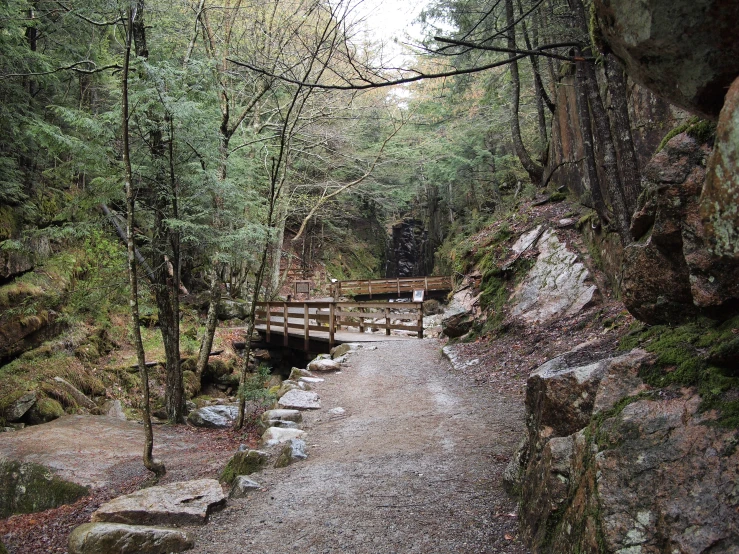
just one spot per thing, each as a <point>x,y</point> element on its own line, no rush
<point>306,325</point>
<point>268,313</point>
<point>387,321</point>
<point>331,322</point>
<point>420,320</point>
<point>361,320</point>
<point>284,323</point>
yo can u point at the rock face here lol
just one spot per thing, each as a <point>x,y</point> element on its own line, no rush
<point>684,50</point>
<point>720,200</point>
<point>184,503</point>
<point>27,488</point>
<point>557,284</point>
<point>595,435</point>
<point>215,417</point>
<point>676,269</point>
<point>105,538</point>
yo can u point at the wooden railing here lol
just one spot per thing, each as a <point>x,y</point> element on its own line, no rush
<point>392,286</point>
<point>302,318</point>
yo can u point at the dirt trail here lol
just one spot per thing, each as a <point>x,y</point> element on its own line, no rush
<point>413,466</point>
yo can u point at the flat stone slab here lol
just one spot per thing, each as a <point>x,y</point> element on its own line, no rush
<point>278,435</point>
<point>324,365</point>
<point>103,538</point>
<point>300,400</point>
<point>184,503</point>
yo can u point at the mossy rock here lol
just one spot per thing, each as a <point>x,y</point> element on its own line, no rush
<point>192,386</point>
<point>27,488</point>
<point>87,353</point>
<point>45,410</point>
<point>243,463</point>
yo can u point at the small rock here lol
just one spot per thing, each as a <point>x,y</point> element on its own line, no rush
<point>278,435</point>
<point>324,365</point>
<point>244,463</point>
<point>184,503</point>
<point>300,400</point>
<point>105,538</point>
<point>293,451</point>
<point>18,409</point>
<point>216,417</point>
<point>283,415</point>
<point>297,373</point>
<point>243,486</point>
<point>345,348</point>
<point>114,409</point>
<point>311,380</point>
<point>566,222</point>
<point>338,411</point>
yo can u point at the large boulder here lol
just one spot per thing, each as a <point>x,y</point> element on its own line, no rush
<point>214,417</point>
<point>684,50</point>
<point>292,451</point>
<point>279,435</point>
<point>323,365</point>
<point>558,285</point>
<point>597,435</point>
<point>28,488</point>
<point>183,503</point>
<point>106,538</point>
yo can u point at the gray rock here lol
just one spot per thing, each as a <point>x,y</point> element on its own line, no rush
<point>338,411</point>
<point>18,409</point>
<point>311,380</point>
<point>457,324</point>
<point>108,538</point>
<point>300,400</point>
<point>244,463</point>
<point>74,392</point>
<point>345,348</point>
<point>324,365</point>
<point>557,285</point>
<point>114,409</point>
<point>278,435</point>
<point>283,415</point>
<point>184,503</point>
<point>526,240</point>
<point>297,373</point>
<point>243,486</point>
<point>282,424</point>
<point>292,451</point>
<point>215,417</point>
<point>232,309</point>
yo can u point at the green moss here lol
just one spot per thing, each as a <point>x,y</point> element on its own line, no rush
<point>586,219</point>
<point>558,197</point>
<point>697,354</point>
<point>30,488</point>
<point>243,463</point>
<point>702,130</point>
<point>47,409</point>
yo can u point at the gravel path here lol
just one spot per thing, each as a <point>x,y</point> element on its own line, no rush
<point>413,466</point>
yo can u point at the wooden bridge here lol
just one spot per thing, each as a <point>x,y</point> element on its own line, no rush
<point>319,326</point>
<point>403,286</point>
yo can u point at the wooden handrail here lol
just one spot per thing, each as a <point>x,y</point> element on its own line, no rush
<point>298,316</point>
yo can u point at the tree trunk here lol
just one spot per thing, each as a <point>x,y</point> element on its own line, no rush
<point>211,323</point>
<point>150,463</point>
<point>535,171</point>
<point>274,278</point>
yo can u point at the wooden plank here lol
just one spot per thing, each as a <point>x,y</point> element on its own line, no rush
<point>285,323</point>
<point>306,328</point>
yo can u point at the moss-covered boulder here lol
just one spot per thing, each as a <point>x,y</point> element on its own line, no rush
<point>244,463</point>
<point>27,488</point>
<point>45,410</point>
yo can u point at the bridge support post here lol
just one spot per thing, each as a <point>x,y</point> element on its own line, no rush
<point>387,321</point>
<point>285,315</point>
<point>306,330</point>
<point>420,320</point>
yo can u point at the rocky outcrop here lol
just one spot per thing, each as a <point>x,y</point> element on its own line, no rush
<point>184,503</point>
<point>105,538</point>
<point>719,201</point>
<point>673,271</point>
<point>18,408</point>
<point>558,285</point>
<point>684,50</point>
<point>596,434</point>
<point>27,488</point>
<point>460,315</point>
